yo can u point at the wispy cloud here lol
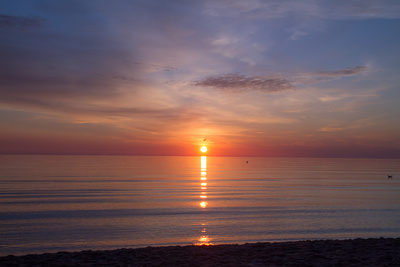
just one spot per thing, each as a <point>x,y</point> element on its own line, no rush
<point>258,9</point>
<point>309,15</point>
<point>20,23</point>
<point>352,9</point>
<point>365,9</point>
<point>329,75</point>
<point>274,83</point>
<point>155,67</point>
<point>331,129</point>
<point>343,72</point>
<point>240,83</point>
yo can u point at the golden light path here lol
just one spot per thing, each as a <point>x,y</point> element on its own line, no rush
<point>204,239</point>
<point>203,179</point>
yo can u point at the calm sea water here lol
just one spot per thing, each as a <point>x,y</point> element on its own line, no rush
<point>72,203</point>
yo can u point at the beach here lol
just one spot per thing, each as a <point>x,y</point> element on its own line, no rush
<point>350,252</point>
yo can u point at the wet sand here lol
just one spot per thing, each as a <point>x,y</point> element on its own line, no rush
<point>355,252</point>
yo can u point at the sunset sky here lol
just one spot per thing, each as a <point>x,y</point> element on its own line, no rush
<point>253,78</point>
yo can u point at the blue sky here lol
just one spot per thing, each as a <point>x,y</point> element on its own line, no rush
<point>261,78</point>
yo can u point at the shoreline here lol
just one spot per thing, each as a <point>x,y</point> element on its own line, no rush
<point>349,252</point>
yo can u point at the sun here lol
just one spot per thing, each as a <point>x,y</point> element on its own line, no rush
<point>203,149</point>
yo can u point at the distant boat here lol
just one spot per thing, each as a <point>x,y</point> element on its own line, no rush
<point>390,176</point>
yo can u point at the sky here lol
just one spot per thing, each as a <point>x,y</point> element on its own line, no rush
<point>254,78</point>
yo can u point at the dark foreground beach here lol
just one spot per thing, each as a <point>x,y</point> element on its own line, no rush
<point>357,252</point>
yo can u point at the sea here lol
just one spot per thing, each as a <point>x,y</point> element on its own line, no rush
<point>73,203</point>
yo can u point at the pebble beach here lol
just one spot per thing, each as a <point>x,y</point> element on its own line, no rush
<point>352,252</point>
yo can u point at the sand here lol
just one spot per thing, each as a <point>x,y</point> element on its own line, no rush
<point>355,252</point>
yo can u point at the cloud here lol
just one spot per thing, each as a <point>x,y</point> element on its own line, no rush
<point>113,111</point>
<point>307,16</point>
<point>258,9</point>
<point>331,129</point>
<point>326,76</point>
<point>125,78</point>
<point>351,9</point>
<point>365,9</point>
<point>20,23</point>
<point>274,83</point>
<point>240,83</point>
<point>342,72</point>
<point>155,67</point>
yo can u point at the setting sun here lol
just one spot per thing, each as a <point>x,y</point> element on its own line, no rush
<point>203,149</point>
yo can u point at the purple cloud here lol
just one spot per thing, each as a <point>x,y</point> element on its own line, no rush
<point>240,83</point>
<point>343,72</point>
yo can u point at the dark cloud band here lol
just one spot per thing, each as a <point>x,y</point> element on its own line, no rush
<point>239,83</point>
<point>21,23</point>
<point>343,72</point>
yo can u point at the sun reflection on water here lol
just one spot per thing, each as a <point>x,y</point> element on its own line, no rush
<point>203,204</point>
<point>203,178</point>
<point>204,239</point>
<point>203,163</point>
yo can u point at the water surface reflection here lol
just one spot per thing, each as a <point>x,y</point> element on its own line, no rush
<point>204,238</point>
<point>203,184</point>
